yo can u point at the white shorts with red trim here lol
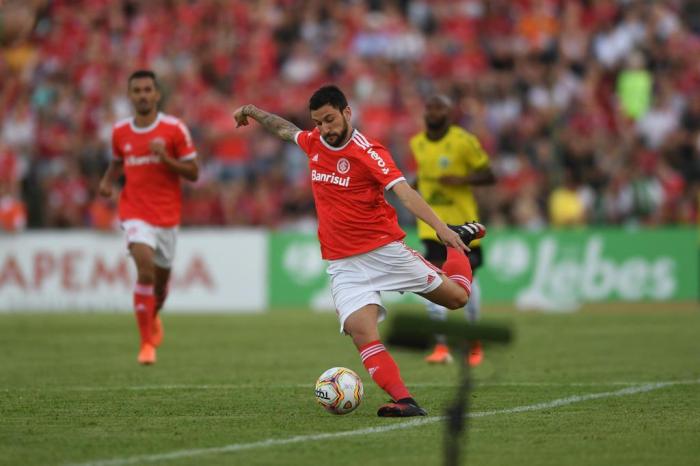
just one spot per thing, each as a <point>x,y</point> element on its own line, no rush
<point>357,281</point>
<point>161,240</point>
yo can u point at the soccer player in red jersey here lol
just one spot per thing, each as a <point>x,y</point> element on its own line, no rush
<point>153,150</point>
<point>360,236</point>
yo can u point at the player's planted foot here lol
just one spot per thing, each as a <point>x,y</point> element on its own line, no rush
<point>147,354</point>
<point>469,231</point>
<point>440,355</point>
<point>406,407</point>
<point>476,354</point>
<point>157,333</point>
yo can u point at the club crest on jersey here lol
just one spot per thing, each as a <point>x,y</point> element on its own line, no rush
<point>343,166</point>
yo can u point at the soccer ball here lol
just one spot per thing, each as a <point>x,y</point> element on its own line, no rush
<point>339,390</point>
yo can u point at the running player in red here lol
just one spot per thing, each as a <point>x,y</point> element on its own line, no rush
<point>360,236</point>
<point>153,150</point>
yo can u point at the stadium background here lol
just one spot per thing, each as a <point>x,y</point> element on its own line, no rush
<point>590,111</point>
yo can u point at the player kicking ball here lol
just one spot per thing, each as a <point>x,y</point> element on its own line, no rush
<point>360,235</point>
<point>153,151</point>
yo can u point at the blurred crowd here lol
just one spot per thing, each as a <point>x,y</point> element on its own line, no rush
<point>589,109</point>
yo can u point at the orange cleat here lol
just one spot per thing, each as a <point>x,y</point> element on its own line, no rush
<point>147,354</point>
<point>476,354</point>
<point>440,355</point>
<point>157,333</point>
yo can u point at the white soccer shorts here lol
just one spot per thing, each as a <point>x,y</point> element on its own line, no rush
<point>162,240</point>
<point>357,281</point>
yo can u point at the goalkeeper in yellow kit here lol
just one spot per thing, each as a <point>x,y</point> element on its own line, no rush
<point>449,162</point>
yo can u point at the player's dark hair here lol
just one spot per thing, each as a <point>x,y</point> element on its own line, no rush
<point>328,95</point>
<point>138,74</point>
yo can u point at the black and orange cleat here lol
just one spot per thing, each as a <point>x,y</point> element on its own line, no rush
<point>469,231</point>
<point>406,407</point>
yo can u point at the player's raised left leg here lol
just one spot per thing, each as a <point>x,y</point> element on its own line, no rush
<point>361,325</point>
<point>454,292</point>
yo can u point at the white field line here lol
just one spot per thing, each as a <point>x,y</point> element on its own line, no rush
<point>244,386</point>
<point>416,422</point>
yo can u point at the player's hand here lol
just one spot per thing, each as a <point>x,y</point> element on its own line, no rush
<point>240,116</point>
<point>105,188</point>
<point>451,239</point>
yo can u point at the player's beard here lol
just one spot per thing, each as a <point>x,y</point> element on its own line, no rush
<point>341,137</point>
<point>143,107</point>
<point>435,124</point>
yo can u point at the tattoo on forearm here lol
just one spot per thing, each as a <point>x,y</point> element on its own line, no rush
<point>278,125</point>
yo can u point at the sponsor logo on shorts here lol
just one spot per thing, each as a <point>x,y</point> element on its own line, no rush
<point>431,279</point>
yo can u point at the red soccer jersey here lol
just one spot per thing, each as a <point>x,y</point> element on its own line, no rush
<point>348,183</point>
<point>152,190</point>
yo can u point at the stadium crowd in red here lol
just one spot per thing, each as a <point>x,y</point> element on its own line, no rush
<point>589,109</point>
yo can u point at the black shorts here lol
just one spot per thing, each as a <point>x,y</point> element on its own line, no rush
<point>436,253</point>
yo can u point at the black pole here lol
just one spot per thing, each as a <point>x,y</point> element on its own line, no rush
<point>418,333</point>
<point>457,412</point>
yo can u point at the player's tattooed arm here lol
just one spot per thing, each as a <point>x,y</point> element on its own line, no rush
<point>282,128</point>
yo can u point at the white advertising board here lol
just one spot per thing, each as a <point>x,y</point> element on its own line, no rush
<point>215,270</point>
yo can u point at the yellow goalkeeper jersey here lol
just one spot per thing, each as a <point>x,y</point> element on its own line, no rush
<point>458,153</point>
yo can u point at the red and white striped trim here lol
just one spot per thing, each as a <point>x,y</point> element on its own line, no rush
<point>361,140</point>
<point>371,351</point>
<point>462,280</point>
<point>146,290</point>
<point>420,256</point>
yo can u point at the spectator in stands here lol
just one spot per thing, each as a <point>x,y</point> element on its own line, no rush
<point>590,78</point>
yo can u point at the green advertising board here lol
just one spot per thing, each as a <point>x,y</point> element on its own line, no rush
<point>551,270</point>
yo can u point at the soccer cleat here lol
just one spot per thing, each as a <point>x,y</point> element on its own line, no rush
<point>399,409</point>
<point>469,231</point>
<point>440,355</point>
<point>157,333</point>
<point>147,354</point>
<point>476,354</point>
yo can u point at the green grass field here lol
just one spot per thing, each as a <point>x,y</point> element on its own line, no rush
<point>611,385</point>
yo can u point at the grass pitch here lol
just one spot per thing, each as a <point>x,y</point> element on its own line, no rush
<point>573,389</point>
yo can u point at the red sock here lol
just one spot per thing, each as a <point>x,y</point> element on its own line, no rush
<point>144,308</point>
<point>458,269</point>
<point>383,370</point>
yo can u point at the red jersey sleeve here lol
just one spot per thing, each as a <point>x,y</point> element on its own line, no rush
<point>184,149</point>
<point>381,166</point>
<point>116,150</point>
<point>303,140</point>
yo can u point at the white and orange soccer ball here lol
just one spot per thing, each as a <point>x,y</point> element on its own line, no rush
<point>339,390</point>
